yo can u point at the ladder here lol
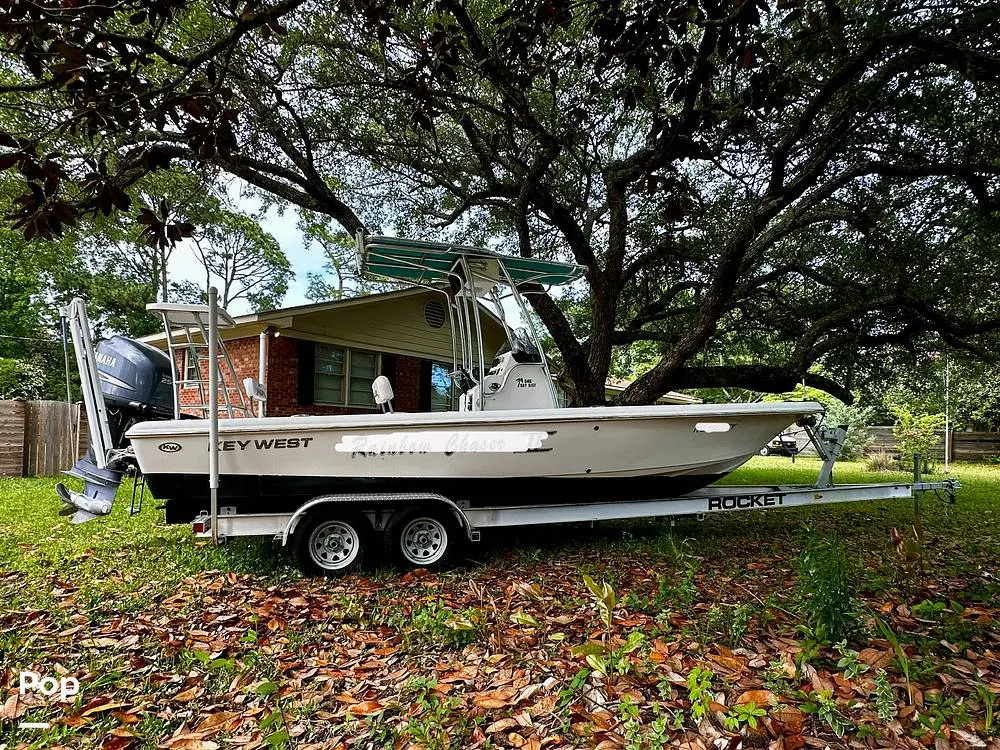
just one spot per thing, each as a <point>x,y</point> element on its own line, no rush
<point>186,328</point>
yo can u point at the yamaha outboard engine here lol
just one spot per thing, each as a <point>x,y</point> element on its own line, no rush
<point>137,385</point>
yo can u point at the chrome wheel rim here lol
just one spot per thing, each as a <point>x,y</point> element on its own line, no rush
<point>334,545</point>
<point>423,541</point>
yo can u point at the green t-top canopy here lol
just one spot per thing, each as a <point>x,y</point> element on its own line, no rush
<point>420,262</point>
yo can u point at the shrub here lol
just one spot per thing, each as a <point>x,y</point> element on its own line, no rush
<point>20,379</point>
<point>856,419</point>
<point>880,461</point>
<point>826,590</point>
<point>916,434</point>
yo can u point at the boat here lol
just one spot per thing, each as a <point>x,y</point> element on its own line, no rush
<point>482,458</point>
<point>509,443</point>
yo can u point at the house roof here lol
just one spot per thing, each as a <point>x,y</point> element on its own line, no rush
<point>670,397</point>
<point>268,316</point>
<point>282,317</point>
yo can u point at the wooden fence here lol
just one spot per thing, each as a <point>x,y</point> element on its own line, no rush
<point>965,446</point>
<point>40,438</point>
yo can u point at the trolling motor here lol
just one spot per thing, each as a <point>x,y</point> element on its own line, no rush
<point>123,382</point>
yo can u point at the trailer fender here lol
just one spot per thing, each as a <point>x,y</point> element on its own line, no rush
<point>372,502</point>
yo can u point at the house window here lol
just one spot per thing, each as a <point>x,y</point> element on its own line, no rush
<point>191,370</point>
<point>363,369</point>
<point>344,376</point>
<point>442,388</point>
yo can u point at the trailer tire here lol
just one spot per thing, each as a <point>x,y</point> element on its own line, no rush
<point>765,451</point>
<point>424,537</point>
<point>330,543</point>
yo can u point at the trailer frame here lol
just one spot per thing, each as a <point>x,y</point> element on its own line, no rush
<point>377,507</point>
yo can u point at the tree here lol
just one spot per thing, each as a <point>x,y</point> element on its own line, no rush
<point>916,384</point>
<point>341,277</point>
<point>804,184</point>
<point>245,261</point>
<point>138,257</point>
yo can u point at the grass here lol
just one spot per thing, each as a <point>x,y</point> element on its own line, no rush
<point>122,561</point>
<point>228,620</point>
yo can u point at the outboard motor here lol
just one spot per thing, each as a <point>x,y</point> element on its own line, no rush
<point>137,385</point>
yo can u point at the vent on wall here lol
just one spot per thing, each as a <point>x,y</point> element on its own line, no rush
<point>434,313</point>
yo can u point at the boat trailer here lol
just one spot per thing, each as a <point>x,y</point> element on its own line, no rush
<point>378,507</point>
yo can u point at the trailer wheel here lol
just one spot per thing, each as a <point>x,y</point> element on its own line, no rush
<point>765,451</point>
<point>329,544</point>
<point>421,538</point>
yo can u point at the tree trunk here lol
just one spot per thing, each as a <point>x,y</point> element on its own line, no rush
<point>588,390</point>
<point>163,276</point>
<point>764,378</point>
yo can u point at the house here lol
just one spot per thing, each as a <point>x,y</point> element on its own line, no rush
<point>321,358</point>
<point>614,386</point>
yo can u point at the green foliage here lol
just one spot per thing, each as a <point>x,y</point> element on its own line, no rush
<point>731,621</point>
<point>938,712</point>
<point>987,700</point>
<point>743,715</point>
<point>901,658</point>
<point>916,434</point>
<point>340,277</point>
<point>435,625</point>
<point>21,379</point>
<point>826,589</point>
<point>885,698</point>
<point>463,120</point>
<point>916,383</point>
<point>245,262</point>
<point>431,724</point>
<point>880,461</point>
<point>848,661</point>
<point>699,685</point>
<point>856,419</point>
<point>610,660</point>
<point>604,597</point>
<point>822,704</point>
<point>654,736</point>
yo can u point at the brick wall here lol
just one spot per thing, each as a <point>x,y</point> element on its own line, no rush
<point>282,379</point>
<point>406,384</point>
<point>243,353</point>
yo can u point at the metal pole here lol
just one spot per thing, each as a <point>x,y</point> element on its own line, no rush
<point>262,367</point>
<point>74,444</point>
<point>947,413</point>
<point>470,278</point>
<point>213,408</point>
<point>917,498</point>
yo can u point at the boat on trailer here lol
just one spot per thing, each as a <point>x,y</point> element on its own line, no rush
<point>509,455</point>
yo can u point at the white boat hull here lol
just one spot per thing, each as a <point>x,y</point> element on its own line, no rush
<point>485,458</point>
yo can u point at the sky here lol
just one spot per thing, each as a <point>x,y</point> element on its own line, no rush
<point>282,225</point>
<point>184,263</point>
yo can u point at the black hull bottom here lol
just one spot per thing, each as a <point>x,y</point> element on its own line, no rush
<point>187,495</point>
